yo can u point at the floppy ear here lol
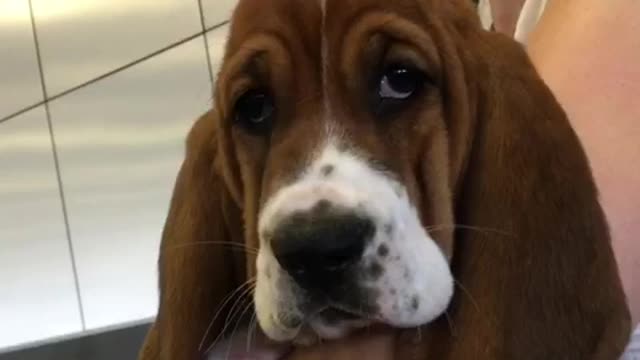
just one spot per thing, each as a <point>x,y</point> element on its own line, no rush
<point>537,279</point>
<point>197,269</point>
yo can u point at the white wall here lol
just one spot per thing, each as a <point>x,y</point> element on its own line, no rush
<point>89,150</point>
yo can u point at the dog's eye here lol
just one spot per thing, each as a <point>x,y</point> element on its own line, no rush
<point>400,82</point>
<point>254,111</point>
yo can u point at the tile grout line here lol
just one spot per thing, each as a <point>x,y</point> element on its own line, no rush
<point>112,72</point>
<point>22,111</point>
<point>206,45</point>
<point>56,162</point>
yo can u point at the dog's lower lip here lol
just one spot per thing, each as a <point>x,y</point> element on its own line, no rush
<point>333,311</point>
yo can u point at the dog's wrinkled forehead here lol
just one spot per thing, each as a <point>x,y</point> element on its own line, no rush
<point>308,22</point>
<point>318,59</point>
<point>312,46</point>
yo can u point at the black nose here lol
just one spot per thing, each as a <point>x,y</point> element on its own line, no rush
<point>319,247</point>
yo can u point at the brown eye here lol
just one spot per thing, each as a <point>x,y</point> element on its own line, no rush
<point>400,83</point>
<point>254,111</point>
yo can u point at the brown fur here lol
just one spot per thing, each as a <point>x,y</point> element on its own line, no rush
<point>488,152</point>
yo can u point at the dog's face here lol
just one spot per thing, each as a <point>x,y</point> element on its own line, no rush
<point>336,135</point>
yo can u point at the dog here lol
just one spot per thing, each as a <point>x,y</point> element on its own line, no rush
<point>376,162</point>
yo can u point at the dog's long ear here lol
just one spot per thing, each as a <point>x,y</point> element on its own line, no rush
<point>537,275</point>
<point>199,265</point>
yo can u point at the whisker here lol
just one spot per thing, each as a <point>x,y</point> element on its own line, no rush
<point>235,328</point>
<point>231,315</point>
<point>221,334</point>
<point>473,300</point>
<point>239,301</point>
<point>253,327</point>
<point>221,307</point>
<point>467,227</point>
<point>464,289</point>
<point>452,329</point>
<point>235,246</point>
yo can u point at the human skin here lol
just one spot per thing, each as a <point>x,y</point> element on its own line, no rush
<point>592,64</point>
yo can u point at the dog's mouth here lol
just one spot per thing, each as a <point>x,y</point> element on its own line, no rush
<point>332,322</point>
<point>332,311</point>
<point>333,315</point>
<point>253,344</point>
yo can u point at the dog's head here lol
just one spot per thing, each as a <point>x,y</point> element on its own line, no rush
<point>337,124</point>
<point>350,143</point>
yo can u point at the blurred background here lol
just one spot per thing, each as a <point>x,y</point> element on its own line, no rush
<point>96,97</point>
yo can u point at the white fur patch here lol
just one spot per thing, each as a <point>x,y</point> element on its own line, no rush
<point>415,285</point>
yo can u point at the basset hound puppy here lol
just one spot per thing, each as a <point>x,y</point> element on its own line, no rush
<point>378,162</point>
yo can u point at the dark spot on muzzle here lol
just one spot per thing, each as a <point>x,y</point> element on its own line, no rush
<point>374,270</point>
<point>415,303</point>
<point>388,229</point>
<point>327,170</point>
<point>383,250</point>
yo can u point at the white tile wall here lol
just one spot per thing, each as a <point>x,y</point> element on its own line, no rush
<point>82,39</point>
<point>38,295</point>
<point>217,39</point>
<point>120,143</point>
<point>19,78</point>
<point>217,11</point>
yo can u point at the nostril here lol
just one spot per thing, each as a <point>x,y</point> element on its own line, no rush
<point>313,245</point>
<point>321,206</point>
<point>350,238</point>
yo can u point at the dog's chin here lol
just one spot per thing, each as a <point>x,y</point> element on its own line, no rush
<point>330,324</point>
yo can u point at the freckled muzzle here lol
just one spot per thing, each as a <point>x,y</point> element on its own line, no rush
<point>343,247</point>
